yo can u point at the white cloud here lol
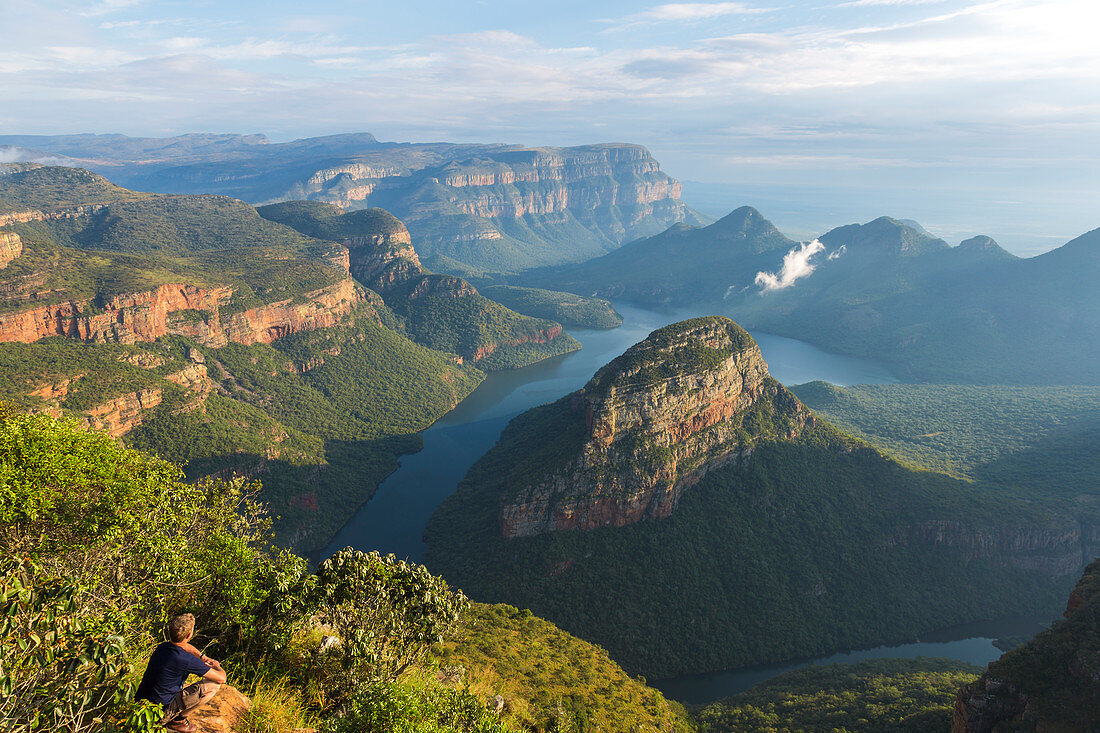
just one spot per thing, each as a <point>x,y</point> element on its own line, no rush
<point>796,265</point>
<point>687,12</point>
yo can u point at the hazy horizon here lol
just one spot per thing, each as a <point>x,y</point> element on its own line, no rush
<point>913,108</point>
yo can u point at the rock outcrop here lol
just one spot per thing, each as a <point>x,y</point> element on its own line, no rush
<point>1050,684</point>
<point>224,713</point>
<point>122,414</point>
<point>655,420</point>
<point>318,309</point>
<point>383,260</point>
<point>66,212</point>
<point>182,309</point>
<point>11,246</point>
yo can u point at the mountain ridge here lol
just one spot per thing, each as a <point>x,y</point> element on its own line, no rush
<point>489,206</point>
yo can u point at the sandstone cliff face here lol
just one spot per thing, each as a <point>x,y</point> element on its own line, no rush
<point>656,420</point>
<point>1051,552</point>
<point>11,246</point>
<point>181,309</point>
<point>596,197</point>
<point>628,175</point>
<point>68,212</point>
<point>124,319</point>
<point>321,309</point>
<point>541,336</point>
<point>122,414</point>
<point>383,260</point>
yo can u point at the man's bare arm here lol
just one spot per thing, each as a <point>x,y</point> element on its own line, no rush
<point>215,673</point>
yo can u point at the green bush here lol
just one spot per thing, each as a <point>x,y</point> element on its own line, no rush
<point>386,707</point>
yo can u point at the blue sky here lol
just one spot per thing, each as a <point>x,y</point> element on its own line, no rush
<point>962,114</point>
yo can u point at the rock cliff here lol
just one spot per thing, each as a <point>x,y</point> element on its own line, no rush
<point>122,414</point>
<point>655,421</point>
<point>177,308</point>
<point>11,246</point>
<point>383,260</point>
<point>1050,684</point>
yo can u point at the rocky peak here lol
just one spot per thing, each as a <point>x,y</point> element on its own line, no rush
<point>655,420</point>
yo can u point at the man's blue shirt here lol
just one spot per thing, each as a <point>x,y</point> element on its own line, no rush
<point>168,668</point>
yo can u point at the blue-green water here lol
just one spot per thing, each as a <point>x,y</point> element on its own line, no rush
<point>395,518</point>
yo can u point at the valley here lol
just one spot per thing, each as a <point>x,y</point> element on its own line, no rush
<point>394,519</point>
<point>711,505</point>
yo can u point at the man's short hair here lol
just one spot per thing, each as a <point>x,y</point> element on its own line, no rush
<point>181,627</point>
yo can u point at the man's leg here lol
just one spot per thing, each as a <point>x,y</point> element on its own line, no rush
<point>188,699</point>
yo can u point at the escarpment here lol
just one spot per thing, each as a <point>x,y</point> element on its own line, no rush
<point>181,309</point>
<point>497,208</point>
<point>652,423</point>
<point>440,311</point>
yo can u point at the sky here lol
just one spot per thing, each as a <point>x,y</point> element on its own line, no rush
<point>970,116</point>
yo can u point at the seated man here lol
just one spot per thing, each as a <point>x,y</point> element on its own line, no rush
<point>169,666</point>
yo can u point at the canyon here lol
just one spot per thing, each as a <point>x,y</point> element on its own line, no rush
<point>672,499</point>
<point>492,206</point>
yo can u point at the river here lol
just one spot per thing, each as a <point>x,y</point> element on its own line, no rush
<point>394,519</point>
<point>970,643</point>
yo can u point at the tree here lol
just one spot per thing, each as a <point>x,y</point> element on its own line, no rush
<point>386,614</point>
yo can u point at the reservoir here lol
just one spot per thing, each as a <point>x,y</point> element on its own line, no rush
<point>394,519</point>
<point>970,643</point>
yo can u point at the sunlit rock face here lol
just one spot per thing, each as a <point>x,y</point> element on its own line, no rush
<point>656,420</point>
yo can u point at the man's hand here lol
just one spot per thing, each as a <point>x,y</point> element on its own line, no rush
<point>216,673</point>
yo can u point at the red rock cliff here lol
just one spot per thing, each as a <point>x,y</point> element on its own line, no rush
<point>656,420</point>
<point>178,308</point>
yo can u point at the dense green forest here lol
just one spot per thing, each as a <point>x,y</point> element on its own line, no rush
<point>879,696</point>
<point>1022,435</point>
<point>801,548</point>
<point>565,308</point>
<point>103,544</point>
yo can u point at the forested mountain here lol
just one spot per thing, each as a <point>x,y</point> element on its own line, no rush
<point>498,208</point>
<point>689,513</point>
<point>442,312</point>
<point>197,329</point>
<point>886,290</point>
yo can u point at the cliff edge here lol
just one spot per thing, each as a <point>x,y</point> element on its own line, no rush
<point>652,423</point>
<point>1052,683</point>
